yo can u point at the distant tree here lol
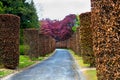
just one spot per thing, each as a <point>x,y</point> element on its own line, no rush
<point>26,11</point>
<point>77,24</point>
<point>29,19</point>
<point>2,10</point>
<point>60,30</point>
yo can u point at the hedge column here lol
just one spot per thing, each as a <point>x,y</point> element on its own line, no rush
<point>42,44</point>
<point>78,50</point>
<point>32,40</point>
<point>46,44</point>
<point>106,37</point>
<point>9,40</point>
<point>86,39</point>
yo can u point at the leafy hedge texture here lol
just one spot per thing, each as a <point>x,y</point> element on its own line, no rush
<point>106,38</point>
<point>86,38</point>
<point>61,44</point>
<point>39,44</point>
<point>78,44</point>
<point>31,39</point>
<point>9,40</point>
<point>46,44</point>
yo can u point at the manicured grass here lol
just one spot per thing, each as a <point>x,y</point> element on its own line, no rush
<point>38,59</point>
<point>5,72</point>
<point>22,49</point>
<point>91,74</point>
<point>25,62</point>
<point>79,60</point>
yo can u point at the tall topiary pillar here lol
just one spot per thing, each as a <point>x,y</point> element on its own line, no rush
<point>106,38</point>
<point>9,40</point>
<point>86,39</point>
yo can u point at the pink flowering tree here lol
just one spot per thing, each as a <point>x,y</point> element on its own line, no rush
<point>60,30</point>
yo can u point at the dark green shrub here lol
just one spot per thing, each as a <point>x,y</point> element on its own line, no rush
<point>23,48</point>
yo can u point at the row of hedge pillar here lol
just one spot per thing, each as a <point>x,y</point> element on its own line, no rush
<point>100,29</point>
<point>99,38</point>
<point>39,44</point>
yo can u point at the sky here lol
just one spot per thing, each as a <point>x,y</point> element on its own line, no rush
<point>58,9</point>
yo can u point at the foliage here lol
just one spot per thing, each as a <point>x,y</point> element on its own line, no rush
<point>2,9</point>
<point>9,38</point>
<point>5,72</point>
<point>38,59</point>
<point>22,49</point>
<point>26,11</point>
<point>77,24</point>
<point>60,30</point>
<point>25,61</point>
<point>86,39</point>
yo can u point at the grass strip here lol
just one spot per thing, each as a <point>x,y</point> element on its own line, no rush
<point>90,74</point>
<point>24,62</point>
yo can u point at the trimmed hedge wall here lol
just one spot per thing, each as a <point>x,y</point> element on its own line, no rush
<point>52,44</point>
<point>9,40</point>
<point>31,39</point>
<point>106,38</point>
<point>78,44</point>
<point>39,44</point>
<point>61,44</point>
<point>72,43</point>
<point>86,38</point>
<point>46,44</point>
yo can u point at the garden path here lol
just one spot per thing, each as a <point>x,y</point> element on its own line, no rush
<point>60,66</point>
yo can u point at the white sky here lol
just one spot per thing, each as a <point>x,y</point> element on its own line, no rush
<point>58,9</point>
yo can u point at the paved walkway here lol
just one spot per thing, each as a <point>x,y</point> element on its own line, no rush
<point>60,66</point>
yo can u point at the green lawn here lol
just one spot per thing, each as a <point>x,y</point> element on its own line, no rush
<point>4,72</point>
<point>23,62</point>
<point>90,74</point>
<point>79,60</point>
<point>23,48</point>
